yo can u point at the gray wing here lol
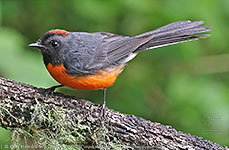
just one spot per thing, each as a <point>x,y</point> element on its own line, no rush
<point>118,48</point>
<point>90,52</point>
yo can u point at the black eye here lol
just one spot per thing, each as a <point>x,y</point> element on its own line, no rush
<point>54,43</point>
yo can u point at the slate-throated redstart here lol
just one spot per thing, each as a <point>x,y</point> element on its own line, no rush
<point>91,61</point>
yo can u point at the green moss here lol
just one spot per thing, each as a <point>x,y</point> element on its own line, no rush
<point>51,128</point>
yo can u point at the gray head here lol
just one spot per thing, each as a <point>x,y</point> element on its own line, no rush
<point>52,44</point>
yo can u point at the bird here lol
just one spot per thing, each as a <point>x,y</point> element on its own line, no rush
<point>92,61</point>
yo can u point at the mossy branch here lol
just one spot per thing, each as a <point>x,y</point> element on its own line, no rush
<point>58,121</point>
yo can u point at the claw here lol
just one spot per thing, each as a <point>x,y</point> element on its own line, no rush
<point>50,90</point>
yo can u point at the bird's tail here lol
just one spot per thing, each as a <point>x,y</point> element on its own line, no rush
<point>174,33</point>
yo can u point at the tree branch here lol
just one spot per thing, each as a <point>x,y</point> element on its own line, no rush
<point>59,121</point>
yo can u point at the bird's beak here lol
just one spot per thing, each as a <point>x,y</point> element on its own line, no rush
<point>38,45</point>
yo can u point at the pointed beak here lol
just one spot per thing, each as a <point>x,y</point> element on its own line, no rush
<point>38,45</point>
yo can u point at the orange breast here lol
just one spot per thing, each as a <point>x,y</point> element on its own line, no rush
<point>99,80</point>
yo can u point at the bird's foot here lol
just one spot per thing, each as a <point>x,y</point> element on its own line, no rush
<point>50,90</point>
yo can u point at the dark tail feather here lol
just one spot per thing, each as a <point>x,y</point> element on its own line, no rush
<point>174,33</point>
<point>170,41</point>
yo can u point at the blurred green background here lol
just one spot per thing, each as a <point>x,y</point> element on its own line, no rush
<point>185,85</point>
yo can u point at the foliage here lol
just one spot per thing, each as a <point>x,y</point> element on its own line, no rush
<point>184,85</point>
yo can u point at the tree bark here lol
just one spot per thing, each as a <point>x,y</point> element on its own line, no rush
<point>57,121</point>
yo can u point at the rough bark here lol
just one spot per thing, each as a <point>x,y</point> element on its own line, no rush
<point>65,121</point>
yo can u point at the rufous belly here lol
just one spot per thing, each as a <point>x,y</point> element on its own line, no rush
<point>99,80</point>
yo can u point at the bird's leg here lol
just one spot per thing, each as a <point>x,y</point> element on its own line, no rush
<point>103,106</point>
<point>52,89</point>
<point>104,98</point>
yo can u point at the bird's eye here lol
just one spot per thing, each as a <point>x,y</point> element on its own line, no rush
<point>54,43</point>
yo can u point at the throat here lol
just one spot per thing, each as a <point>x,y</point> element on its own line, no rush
<point>48,59</point>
